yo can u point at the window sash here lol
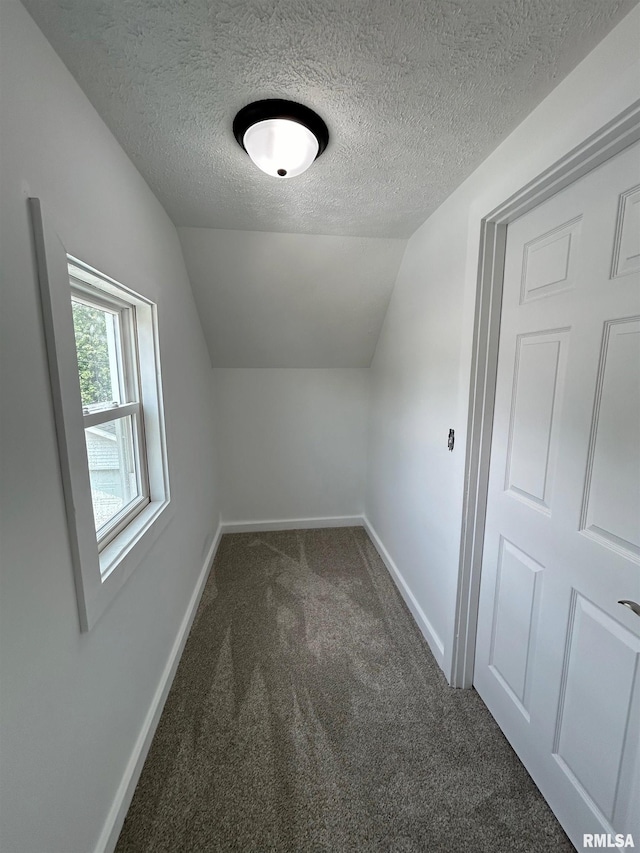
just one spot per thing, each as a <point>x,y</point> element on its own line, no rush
<point>110,413</point>
<point>127,363</point>
<point>116,525</point>
<point>127,355</point>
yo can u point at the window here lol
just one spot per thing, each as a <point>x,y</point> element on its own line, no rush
<point>102,347</point>
<point>108,371</point>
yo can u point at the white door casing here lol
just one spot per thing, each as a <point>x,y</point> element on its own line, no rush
<point>618,134</point>
<point>557,658</point>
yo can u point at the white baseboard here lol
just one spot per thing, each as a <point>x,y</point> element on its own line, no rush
<point>292,524</point>
<point>113,824</point>
<point>435,643</point>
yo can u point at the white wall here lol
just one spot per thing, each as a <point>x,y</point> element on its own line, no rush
<point>292,442</point>
<point>72,704</point>
<point>421,368</point>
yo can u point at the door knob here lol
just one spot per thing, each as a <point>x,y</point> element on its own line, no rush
<point>632,605</point>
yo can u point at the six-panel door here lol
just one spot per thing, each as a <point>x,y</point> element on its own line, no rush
<point>557,658</point>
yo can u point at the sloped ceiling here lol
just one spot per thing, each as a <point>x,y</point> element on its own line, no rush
<point>416,93</point>
<point>290,300</point>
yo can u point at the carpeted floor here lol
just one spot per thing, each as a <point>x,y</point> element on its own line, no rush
<point>307,714</point>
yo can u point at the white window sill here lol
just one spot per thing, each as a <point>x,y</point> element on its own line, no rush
<point>130,544</point>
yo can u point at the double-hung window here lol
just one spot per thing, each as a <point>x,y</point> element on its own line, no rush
<point>108,371</point>
<point>106,390</point>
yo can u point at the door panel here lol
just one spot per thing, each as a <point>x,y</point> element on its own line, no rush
<point>557,658</point>
<point>612,497</point>
<point>549,262</point>
<point>518,588</point>
<point>536,398</point>
<point>626,256</point>
<point>600,653</point>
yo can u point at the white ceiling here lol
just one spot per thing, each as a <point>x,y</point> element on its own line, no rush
<point>416,93</point>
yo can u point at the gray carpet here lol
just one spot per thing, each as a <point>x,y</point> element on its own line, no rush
<point>307,714</point>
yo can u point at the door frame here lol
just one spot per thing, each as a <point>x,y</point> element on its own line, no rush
<point>614,137</point>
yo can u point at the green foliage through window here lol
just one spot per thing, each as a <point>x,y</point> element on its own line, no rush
<point>92,348</point>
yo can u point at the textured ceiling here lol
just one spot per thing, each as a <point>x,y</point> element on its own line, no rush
<point>416,93</point>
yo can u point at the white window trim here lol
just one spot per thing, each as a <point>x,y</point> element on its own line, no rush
<point>95,290</point>
<point>99,575</point>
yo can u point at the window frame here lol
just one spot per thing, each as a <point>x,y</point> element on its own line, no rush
<point>99,572</point>
<point>128,370</point>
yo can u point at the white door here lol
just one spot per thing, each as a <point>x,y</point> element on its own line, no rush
<point>557,658</point>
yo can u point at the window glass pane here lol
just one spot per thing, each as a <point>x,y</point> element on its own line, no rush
<point>112,468</point>
<point>97,346</point>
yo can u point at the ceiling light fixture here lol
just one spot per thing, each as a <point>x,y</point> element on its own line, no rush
<point>281,137</point>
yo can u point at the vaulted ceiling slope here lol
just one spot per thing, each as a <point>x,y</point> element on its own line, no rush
<point>290,300</point>
<point>416,93</point>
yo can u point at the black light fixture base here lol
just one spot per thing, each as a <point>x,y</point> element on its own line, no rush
<point>277,108</point>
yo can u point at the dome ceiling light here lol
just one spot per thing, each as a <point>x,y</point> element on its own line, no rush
<point>281,137</point>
